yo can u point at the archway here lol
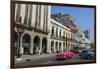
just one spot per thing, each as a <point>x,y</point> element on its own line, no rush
<point>52,46</point>
<point>36,45</point>
<point>26,43</point>
<point>44,45</point>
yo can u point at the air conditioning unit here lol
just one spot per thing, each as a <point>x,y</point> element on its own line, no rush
<point>19,19</point>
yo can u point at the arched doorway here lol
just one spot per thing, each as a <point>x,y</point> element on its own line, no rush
<point>44,45</point>
<point>52,46</point>
<point>36,45</point>
<point>26,43</point>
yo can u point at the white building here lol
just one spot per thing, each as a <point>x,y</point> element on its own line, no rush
<point>32,28</point>
<point>58,37</point>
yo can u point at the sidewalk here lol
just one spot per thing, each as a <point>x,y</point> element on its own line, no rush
<point>25,58</point>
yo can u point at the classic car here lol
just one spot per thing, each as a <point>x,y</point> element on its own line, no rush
<point>88,54</point>
<point>64,55</point>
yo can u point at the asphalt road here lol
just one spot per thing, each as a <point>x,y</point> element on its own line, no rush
<point>51,60</point>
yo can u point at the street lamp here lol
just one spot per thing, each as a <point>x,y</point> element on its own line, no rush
<point>20,31</point>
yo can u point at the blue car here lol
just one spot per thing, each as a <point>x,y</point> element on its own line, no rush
<point>88,54</point>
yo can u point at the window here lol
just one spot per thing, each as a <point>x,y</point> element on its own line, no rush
<point>57,32</point>
<point>64,34</point>
<point>52,30</point>
<point>60,33</point>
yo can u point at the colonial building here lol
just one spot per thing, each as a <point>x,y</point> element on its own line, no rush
<point>69,22</point>
<point>32,28</point>
<point>59,35</point>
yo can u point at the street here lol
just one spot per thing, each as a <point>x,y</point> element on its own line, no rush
<point>51,59</point>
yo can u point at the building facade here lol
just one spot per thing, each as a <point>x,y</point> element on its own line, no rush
<point>69,22</point>
<point>38,31</point>
<point>59,35</point>
<point>32,28</point>
<point>81,40</point>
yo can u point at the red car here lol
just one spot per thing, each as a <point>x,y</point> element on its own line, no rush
<point>69,54</point>
<point>64,55</point>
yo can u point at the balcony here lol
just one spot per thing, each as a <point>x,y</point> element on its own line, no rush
<point>41,30</point>
<point>28,27</point>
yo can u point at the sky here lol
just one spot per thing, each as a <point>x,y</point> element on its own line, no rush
<point>84,17</point>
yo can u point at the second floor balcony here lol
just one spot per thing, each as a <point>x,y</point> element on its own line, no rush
<point>29,27</point>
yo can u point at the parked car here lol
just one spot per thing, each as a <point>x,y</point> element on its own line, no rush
<point>64,55</point>
<point>76,51</point>
<point>88,54</point>
<point>69,54</point>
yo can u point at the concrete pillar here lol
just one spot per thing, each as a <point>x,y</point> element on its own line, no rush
<point>48,46</point>
<point>58,46</point>
<point>21,47</point>
<point>40,49</point>
<point>54,47</point>
<point>31,45</point>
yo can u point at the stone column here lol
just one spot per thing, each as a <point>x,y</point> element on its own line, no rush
<point>21,47</point>
<point>62,46</point>
<point>40,49</point>
<point>48,45</point>
<point>54,47</point>
<point>31,45</point>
